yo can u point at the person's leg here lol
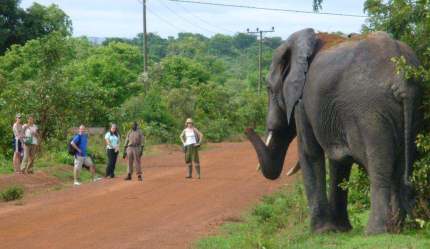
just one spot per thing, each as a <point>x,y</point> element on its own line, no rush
<point>114,159</point>
<point>25,159</point>
<point>130,163</point>
<point>31,157</point>
<point>16,158</point>
<point>137,162</point>
<point>196,161</point>
<point>89,163</point>
<point>109,162</point>
<point>188,162</point>
<point>79,161</point>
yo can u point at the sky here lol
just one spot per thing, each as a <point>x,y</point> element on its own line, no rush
<point>123,18</point>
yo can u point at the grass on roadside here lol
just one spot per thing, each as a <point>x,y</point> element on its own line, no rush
<point>12,193</point>
<point>280,221</point>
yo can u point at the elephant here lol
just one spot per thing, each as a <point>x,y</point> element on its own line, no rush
<point>346,102</point>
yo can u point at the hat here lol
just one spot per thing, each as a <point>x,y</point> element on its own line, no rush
<point>189,120</point>
<point>18,115</point>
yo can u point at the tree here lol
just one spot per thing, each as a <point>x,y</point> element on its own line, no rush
<point>18,26</point>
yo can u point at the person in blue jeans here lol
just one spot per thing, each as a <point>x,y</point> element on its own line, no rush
<point>80,143</point>
<point>112,139</point>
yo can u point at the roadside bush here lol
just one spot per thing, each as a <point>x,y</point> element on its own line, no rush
<point>421,179</point>
<point>358,189</point>
<point>12,193</point>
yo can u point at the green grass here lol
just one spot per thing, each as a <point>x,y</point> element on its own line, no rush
<point>12,193</point>
<point>280,221</point>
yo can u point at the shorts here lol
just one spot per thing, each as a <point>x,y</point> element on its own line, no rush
<point>191,154</point>
<point>17,146</point>
<point>80,161</point>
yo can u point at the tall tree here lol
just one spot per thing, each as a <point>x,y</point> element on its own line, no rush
<point>18,25</point>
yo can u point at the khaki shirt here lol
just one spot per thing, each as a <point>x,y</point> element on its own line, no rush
<point>135,138</point>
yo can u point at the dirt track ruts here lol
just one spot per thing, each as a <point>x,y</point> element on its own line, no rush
<point>165,211</point>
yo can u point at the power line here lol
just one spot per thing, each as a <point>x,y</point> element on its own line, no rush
<point>268,9</point>
<point>175,28</point>
<point>204,21</point>
<point>186,20</point>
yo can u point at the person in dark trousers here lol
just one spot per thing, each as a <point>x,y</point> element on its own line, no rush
<point>191,139</point>
<point>112,139</point>
<point>133,150</point>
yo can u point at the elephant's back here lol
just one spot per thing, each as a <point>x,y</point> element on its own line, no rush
<point>361,67</point>
<point>350,83</point>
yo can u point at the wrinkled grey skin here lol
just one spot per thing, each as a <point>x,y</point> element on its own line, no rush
<point>346,103</point>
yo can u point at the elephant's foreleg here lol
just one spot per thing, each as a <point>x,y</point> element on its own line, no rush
<point>338,198</point>
<point>311,158</point>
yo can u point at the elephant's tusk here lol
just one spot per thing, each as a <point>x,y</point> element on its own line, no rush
<point>268,140</point>
<point>294,170</point>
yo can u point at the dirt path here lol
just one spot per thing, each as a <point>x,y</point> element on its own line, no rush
<point>165,211</point>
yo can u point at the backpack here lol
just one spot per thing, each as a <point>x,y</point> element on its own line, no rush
<point>70,149</point>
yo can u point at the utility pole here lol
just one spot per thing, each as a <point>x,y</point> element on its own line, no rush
<point>260,32</point>
<point>145,48</point>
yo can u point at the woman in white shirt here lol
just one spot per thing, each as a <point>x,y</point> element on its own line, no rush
<point>31,136</point>
<point>112,139</point>
<point>191,139</point>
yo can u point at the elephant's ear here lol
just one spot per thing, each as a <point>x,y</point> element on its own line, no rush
<point>289,67</point>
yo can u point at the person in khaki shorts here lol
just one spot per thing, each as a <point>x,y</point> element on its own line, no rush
<point>31,137</point>
<point>80,143</point>
<point>191,139</point>
<point>133,150</point>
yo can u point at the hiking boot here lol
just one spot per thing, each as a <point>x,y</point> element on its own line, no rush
<point>139,178</point>
<point>128,178</point>
<point>190,172</point>
<point>198,171</point>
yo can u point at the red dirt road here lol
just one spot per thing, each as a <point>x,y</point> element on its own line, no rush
<point>165,211</point>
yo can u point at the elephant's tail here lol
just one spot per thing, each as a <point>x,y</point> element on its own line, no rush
<point>409,134</point>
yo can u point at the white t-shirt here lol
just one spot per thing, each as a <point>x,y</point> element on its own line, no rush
<point>190,136</point>
<point>30,131</point>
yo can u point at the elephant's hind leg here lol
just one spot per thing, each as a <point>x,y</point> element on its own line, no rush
<point>338,198</point>
<point>313,168</point>
<point>380,171</point>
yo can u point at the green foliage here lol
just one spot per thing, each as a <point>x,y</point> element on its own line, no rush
<point>421,179</point>
<point>358,188</point>
<point>12,193</point>
<point>19,25</point>
<point>281,221</point>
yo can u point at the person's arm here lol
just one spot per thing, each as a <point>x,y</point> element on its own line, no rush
<point>124,154</point>
<point>73,143</point>
<point>107,140</point>
<point>182,136</point>
<point>200,136</point>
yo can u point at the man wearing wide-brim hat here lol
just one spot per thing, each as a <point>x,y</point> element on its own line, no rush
<point>191,138</point>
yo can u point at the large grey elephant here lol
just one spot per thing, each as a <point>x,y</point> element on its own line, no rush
<point>344,101</point>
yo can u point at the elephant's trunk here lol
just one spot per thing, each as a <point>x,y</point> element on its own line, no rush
<point>271,154</point>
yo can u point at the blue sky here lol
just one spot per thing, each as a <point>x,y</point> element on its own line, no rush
<point>123,18</point>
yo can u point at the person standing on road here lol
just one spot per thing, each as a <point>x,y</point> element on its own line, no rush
<point>31,137</point>
<point>80,143</point>
<point>191,139</point>
<point>18,134</point>
<point>133,150</point>
<point>112,139</point>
